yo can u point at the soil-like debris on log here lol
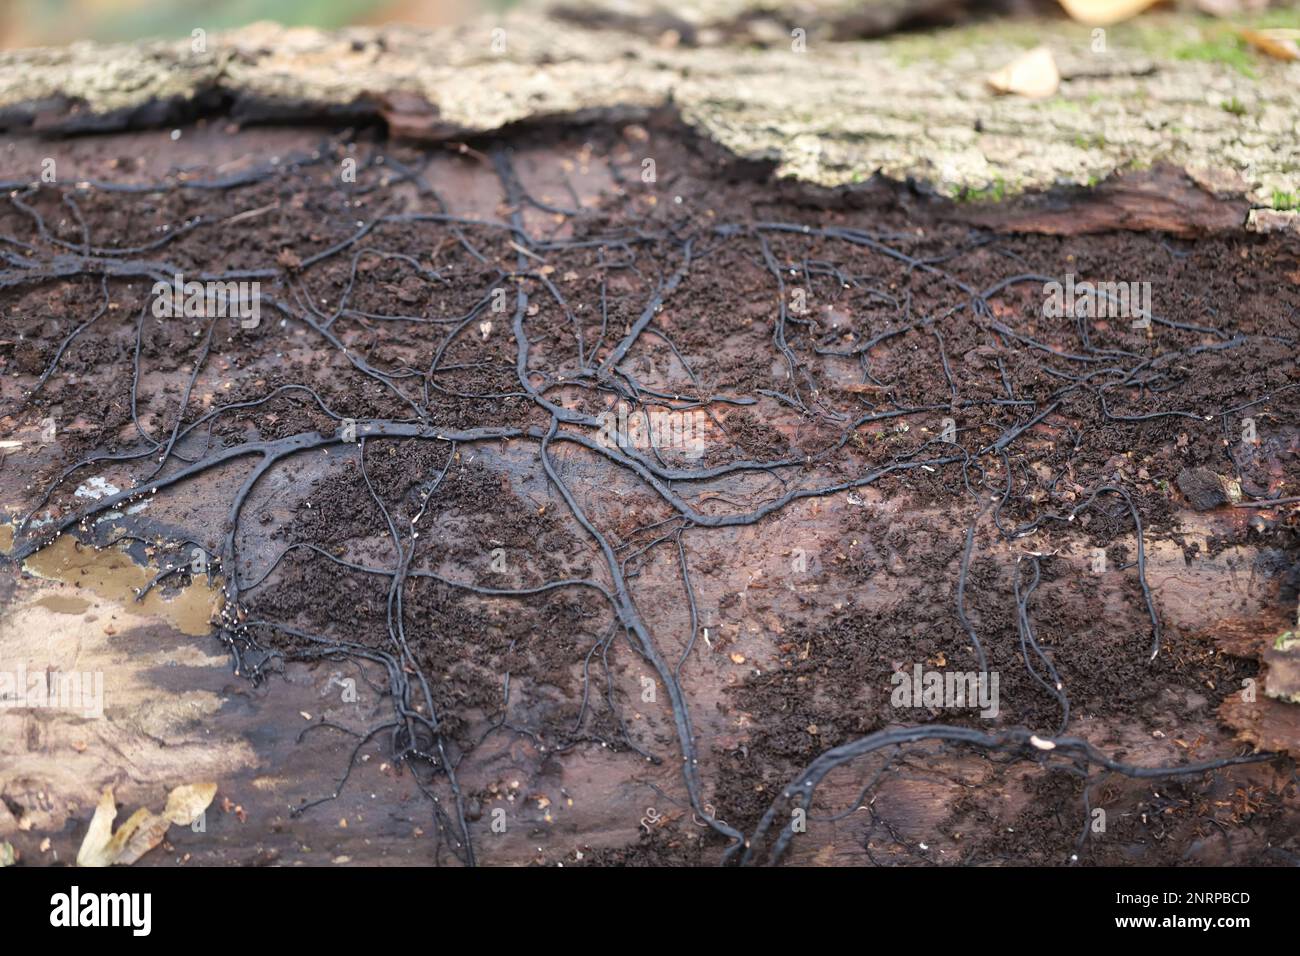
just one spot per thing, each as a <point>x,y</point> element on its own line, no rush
<point>665,513</point>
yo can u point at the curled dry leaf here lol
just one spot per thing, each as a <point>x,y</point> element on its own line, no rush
<point>1279,44</point>
<point>144,830</point>
<point>1032,74</point>
<point>1102,13</point>
<point>185,803</point>
<point>94,845</point>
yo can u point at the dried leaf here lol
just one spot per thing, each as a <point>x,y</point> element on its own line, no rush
<point>94,845</point>
<point>1279,44</point>
<point>1101,13</point>
<point>1032,74</point>
<point>185,803</point>
<point>144,830</point>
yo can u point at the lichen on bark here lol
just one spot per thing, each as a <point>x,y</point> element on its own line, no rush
<point>910,106</point>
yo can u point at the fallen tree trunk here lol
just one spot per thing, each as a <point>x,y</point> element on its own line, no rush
<point>913,107</point>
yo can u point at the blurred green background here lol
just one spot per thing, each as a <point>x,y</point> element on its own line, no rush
<point>48,22</point>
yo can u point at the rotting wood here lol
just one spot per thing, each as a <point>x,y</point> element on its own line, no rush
<point>910,107</point>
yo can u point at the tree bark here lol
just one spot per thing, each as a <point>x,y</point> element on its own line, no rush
<point>911,107</point>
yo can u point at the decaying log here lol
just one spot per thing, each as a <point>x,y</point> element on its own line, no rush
<point>911,107</point>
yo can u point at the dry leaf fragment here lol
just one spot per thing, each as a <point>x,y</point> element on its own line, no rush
<point>1032,74</point>
<point>144,830</point>
<point>99,833</point>
<point>185,803</point>
<point>1279,44</point>
<point>1102,13</point>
